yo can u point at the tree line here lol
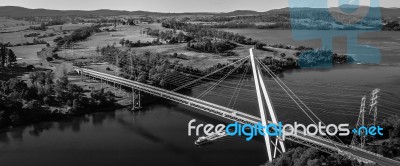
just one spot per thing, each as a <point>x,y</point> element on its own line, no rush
<point>301,18</point>
<point>169,36</point>
<point>312,157</point>
<point>138,43</point>
<point>41,27</point>
<point>197,32</point>
<point>207,45</point>
<point>22,104</point>
<point>77,35</point>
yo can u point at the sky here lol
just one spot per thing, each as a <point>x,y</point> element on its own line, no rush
<point>173,6</point>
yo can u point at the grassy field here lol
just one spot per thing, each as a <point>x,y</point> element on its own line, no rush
<point>88,47</point>
<point>27,54</point>
<point>86,50</point>
<point>195,59</point>
<point>7,22</point>
<point>127,32</point>
<point>15,35</point>
<point>68,27</point>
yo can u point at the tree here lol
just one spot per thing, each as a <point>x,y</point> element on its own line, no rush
<point>314,162</point>
<point>11,58</point>
<point>33,105</point>
<point>181,36</point>
<point>122,42</point>
<point>260,45</point>
<point>3,52</point>
<point>76,105</point>
<point>47,100</point>
<point>142,78</point>
<point>98,50</point>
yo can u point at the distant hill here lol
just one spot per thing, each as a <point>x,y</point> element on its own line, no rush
<point>14,11</point>
<point>385,12</point>
<point>240,13</point>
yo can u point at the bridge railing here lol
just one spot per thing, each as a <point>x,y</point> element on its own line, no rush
<point>366,151</point>
<point>200,104</point>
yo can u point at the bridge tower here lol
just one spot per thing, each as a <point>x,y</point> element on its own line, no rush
<point>373,106</point>
<point>262,93</point>
<point>360,122</point>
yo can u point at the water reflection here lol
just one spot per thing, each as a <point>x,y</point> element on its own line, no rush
<point>39,128</point>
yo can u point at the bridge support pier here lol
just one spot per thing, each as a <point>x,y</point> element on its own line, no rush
<point>136,102</point>
<point>115,89</point>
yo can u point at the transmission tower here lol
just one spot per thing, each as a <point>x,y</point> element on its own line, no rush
<point>373,106</point>
<point>360,122</point>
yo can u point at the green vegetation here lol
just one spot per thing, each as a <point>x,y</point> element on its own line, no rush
<point>321,58</point>
<point>77,35</point>
<point>55,22</point>
<point>32,35</point>
<point>199,32</point>
<point>149,68</point>
<point>138,43</point>
<point>42,27</point>
<point>299,18</point>
<point>311,157</point>
<point>152,68</point>
<point>389,145</point>
<point>7,56</point>
<point>45,100</point>
<point>169,36</point>
<point>207,45</point>
<point>392,26</point>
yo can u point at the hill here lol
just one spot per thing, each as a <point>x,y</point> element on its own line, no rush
<point>17,12</point>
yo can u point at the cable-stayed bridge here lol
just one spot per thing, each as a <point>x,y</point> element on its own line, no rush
<point>265,106</point>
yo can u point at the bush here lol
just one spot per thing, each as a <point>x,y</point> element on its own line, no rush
<point>55,56</point>
<point>47,100</point>
<point>49,59</point>
<point>30,67</point>
<point>260,45</point>
<point>230,53</point>
<point>69,103</point>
